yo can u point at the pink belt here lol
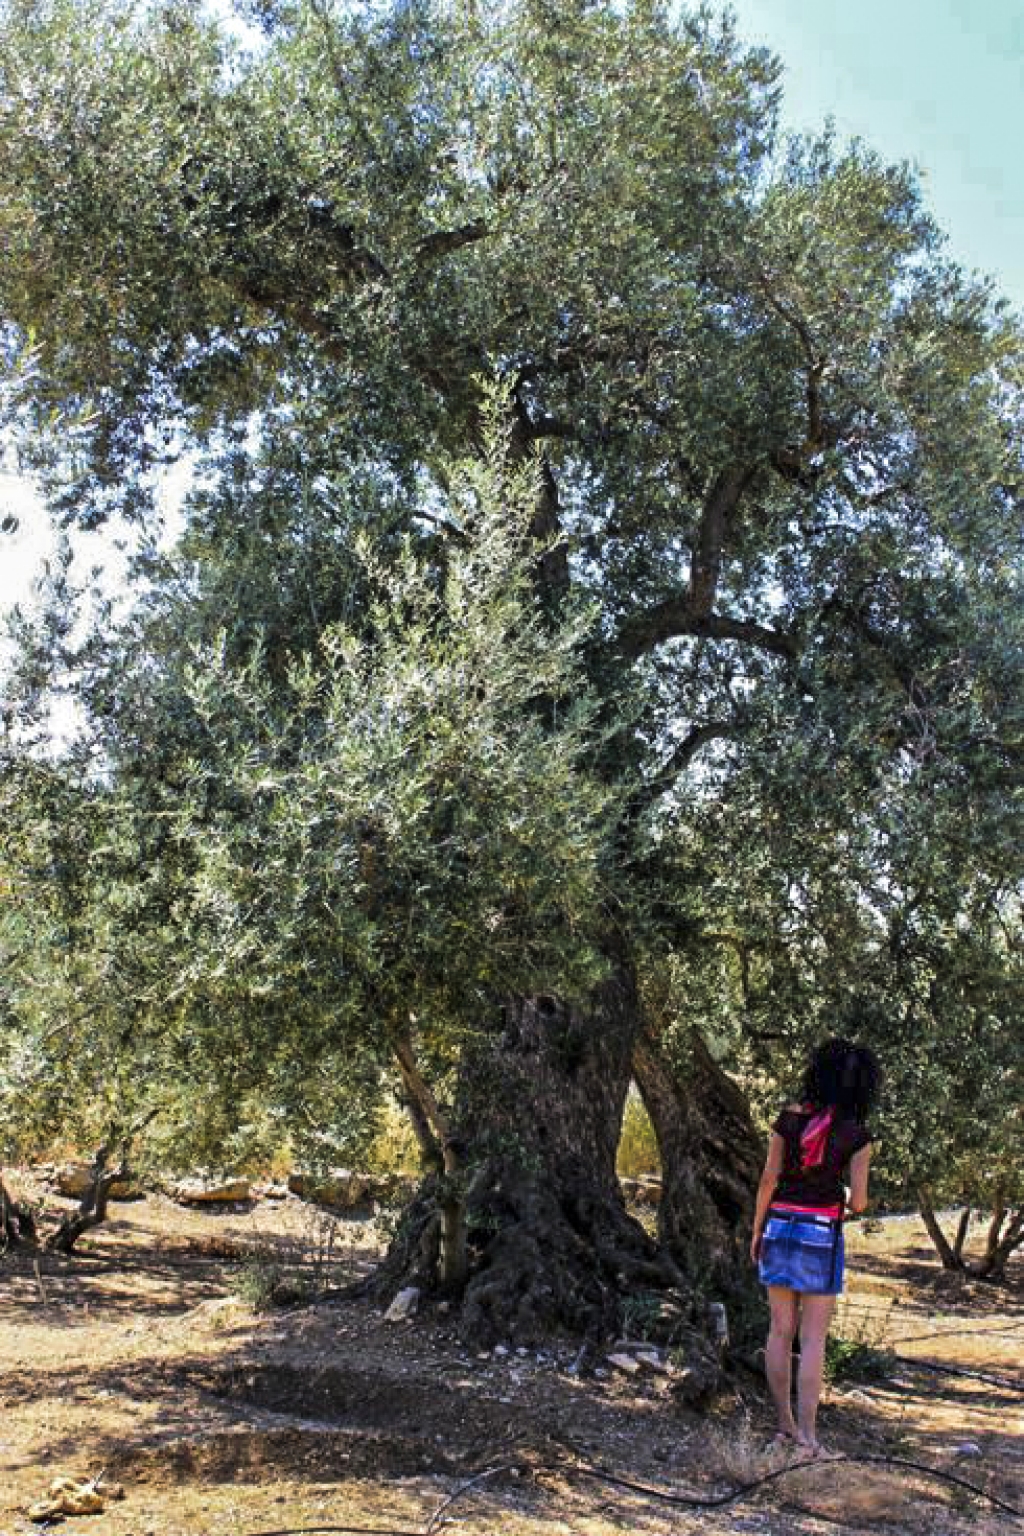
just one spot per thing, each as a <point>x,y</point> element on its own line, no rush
<point>823,1212</point>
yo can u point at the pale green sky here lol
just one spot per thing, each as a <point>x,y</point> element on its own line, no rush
<point>936,82</point>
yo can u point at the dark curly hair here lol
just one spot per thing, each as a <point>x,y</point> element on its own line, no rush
<point>843,1075</point>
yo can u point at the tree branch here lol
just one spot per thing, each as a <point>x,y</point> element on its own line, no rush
<point>695,739</point>
<point>418,1089</point>
<point>720,506</point>
<point>678,761</point>
<point>443,241</point>
<point>693,613</point>
<point>674,619</point>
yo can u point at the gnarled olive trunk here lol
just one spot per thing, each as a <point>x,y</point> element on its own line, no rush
<point>92,1208</point>
<point>549,1242</point>
<point>711,1158</point>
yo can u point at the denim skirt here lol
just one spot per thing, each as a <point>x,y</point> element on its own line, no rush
<point>803,1253</point>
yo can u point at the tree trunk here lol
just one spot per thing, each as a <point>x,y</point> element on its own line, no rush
<point>16,1222</point>
<point>960,1239</point>
<point>550,1245</point>
<point>1001,1241</point>
<point>711,1159</point>
<point>440,1150</point>
<point>948,1257</point>
<point>92,1209</point>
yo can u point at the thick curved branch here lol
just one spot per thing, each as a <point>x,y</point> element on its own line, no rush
<point>443,241</point>
<point>680,758</point>
<point>675,619</point>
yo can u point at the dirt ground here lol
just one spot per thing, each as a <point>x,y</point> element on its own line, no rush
<point>138,1361</point>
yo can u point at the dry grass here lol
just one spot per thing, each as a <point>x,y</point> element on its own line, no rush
<point>132,1357</point>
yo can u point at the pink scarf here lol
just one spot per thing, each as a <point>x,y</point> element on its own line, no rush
<point>814,1138</point>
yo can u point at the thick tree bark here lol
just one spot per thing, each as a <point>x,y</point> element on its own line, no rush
<point>550,1245</point>
<point>711,1158</point>
<point>960,1238</point>
<point>1004,1236</point>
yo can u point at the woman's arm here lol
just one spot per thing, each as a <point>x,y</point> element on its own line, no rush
<point>860,1164</point>
<point>769,1178</point>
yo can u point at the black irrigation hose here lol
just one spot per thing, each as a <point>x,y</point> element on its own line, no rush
<point>684,1500</point>
<point>435,1518</point>
<point>1003,1382</point>
<point>339,1530</point>
<point>717,1501</point>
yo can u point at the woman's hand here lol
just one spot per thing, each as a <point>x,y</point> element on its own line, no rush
<point>755,1248</point>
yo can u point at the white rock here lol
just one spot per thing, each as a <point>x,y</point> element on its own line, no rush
<point>652,1360</point>
<point>210,1192</point>
<point>404,1305</point>
<point>340,1187</point>
<point>719,1323</point>
<point>213,1307</point>
<point>968,1448</point>
<point>75,1179</point>
<point>627,1363</point>
<point>648,1191</point>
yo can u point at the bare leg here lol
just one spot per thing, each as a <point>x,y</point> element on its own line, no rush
<point>778,1355</point>
<point>815,1316</point>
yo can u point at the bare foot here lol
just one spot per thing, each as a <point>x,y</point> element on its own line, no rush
<point>815,1451</point>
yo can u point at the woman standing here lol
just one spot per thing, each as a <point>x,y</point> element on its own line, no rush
<point>798,1232</point>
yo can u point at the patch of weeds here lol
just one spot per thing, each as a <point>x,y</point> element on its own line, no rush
<point>961,1499</point>
<point>390,1220</point>
<point>322,1244</point>
<point>856,1360</point>
<point>264,1282</point>
<point>641,1315</point>
<point>857,1350</point>
<point>638,1146</point>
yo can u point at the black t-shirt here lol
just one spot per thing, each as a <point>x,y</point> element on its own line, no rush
<point>823,1185</point>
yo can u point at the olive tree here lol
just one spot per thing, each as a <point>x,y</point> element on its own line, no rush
<point>775,448</point>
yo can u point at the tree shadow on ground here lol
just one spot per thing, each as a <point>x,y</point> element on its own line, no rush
<point>919,1269</point>
<point>110,1275</point>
